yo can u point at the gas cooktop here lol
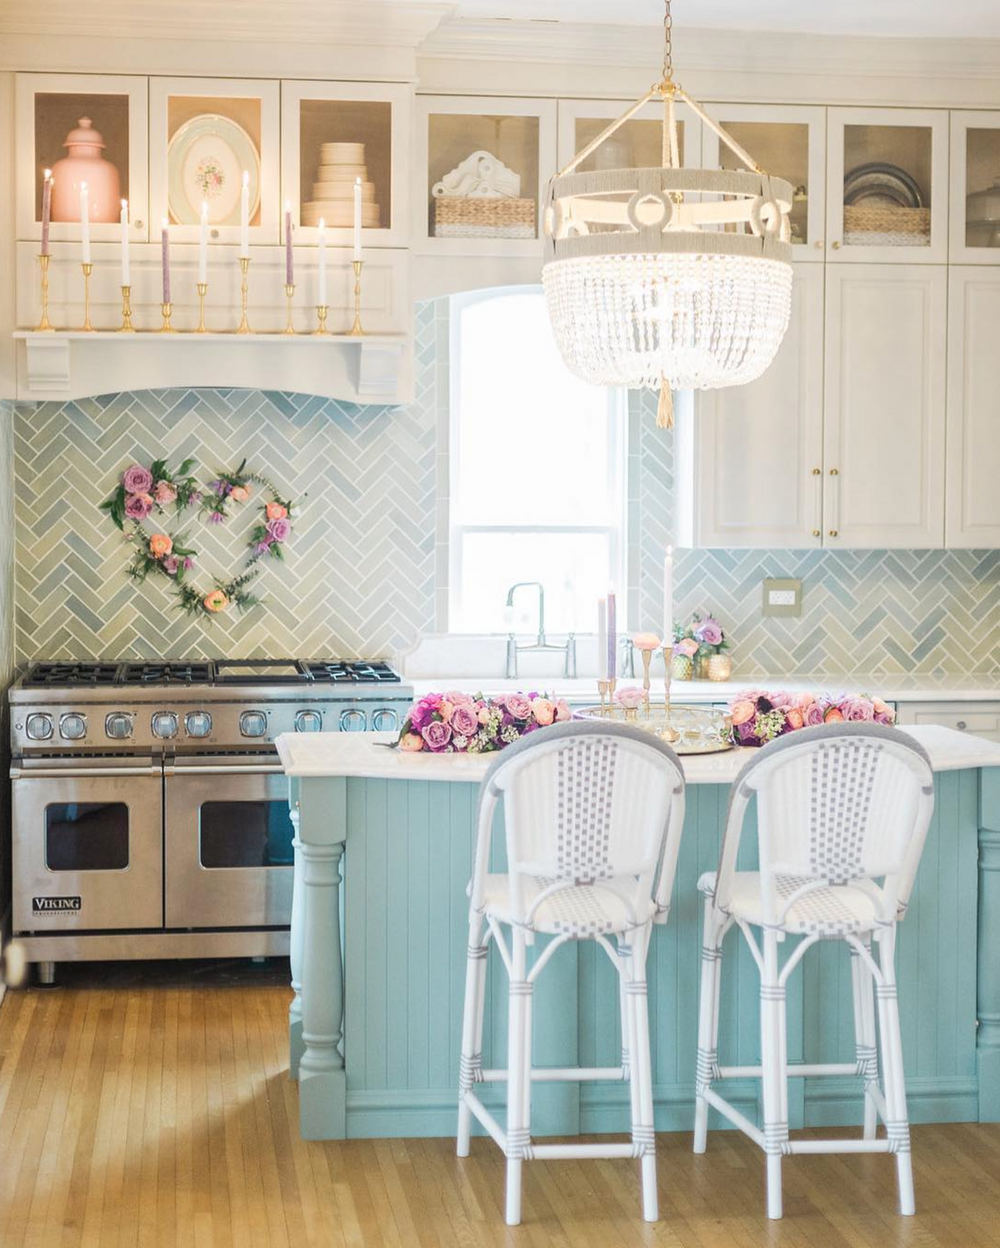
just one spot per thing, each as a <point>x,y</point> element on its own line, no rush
<point>212,672</point>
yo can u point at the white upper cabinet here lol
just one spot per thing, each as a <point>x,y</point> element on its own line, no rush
<point>788,142</point>
<point>884,428</point>
<point>975,188</point>
<point>887,185</point>
<point>758,448</point>
<point>973,485</point>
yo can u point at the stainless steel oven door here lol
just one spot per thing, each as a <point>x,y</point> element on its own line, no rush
<point>228,843</point>
<point>87,844</point>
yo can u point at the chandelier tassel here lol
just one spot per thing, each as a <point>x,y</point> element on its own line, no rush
<point>665,407</point>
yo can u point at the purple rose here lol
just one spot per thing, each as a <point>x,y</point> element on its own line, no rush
<point>188,563</point>
<point>421,712</point>
<point>278,530</point>
<point>137,480</point>
<point>518,706</point>
<point>709,632</point>
<point>748,732</point>
<point>885,717</point>
<point>436,735</point>
<point>138,506</point>
<point>216,517</point>
<point>781,700</point>
<point>464,721</point>
<point>262,547</point>
<point>813,714</point>
<point>857,710</point>
<point>171,564</point>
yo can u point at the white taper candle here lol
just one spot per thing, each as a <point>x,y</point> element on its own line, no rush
<point>126,280</point>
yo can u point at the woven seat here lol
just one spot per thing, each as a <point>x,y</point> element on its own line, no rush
<point>566,909</point>
<point>817,909</point>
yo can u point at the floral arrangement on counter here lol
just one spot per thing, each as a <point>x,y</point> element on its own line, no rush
<point>461,723</point>
<point>759,717</point>
<point>695,647</point>
<point>143,491</point>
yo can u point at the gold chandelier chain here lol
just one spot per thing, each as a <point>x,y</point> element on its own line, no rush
<point>668,49</point>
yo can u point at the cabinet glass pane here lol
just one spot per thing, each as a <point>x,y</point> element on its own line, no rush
<point>86,836</point>
<point>339,141</point>
<point>887,186</point>
<point>246,834</point>
<point>782,148</point>
<point>82,138</point>
<point>469,194</point>
<point>982,188</point>
<point>210,142</point>
<point>638,144</point>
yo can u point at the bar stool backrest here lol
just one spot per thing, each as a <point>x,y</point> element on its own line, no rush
<point>585,804</point>
<point>836,805</point>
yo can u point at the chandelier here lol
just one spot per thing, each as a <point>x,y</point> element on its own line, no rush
<point>667,277</point>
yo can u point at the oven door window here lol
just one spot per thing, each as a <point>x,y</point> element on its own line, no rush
<point>246,834</point>
<point>86,836</point>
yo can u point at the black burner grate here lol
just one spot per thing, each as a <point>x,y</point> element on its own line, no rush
<point>167,674</point>
<point>351,672</point>
<point>65,674</point>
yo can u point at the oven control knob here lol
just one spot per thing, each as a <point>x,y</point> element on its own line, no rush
<point>352,721</point>
<point>38,727</point>
<point>164,725</point>
<point>308,721</point>
<point>72,727</point>
<point>385,720</point>
<point>198,723</point>
<point>118,726</point>
<point>253,723</point>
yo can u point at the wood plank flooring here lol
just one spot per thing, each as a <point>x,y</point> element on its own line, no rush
<point>150,1105</point>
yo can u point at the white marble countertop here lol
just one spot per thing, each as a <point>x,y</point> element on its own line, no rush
<point>365,755</point>
<point>953,688</point>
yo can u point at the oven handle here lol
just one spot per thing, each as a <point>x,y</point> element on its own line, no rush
<point>75,773</point>
<point>239,769</point>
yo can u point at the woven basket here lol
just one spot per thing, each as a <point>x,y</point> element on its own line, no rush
<point>457,217</point>
<point>883,219</point>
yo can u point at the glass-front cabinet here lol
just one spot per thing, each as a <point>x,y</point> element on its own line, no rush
<point>486,162</point>
<point>332,135</point>
<point>84,128</point>
<point>637,143</point>
<point>888,185</point>
<point>788,142</point>
<point>975,188</point>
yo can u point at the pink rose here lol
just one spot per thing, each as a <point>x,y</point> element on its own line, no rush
<point>802,700</point>
<point>884,714</point>
<point>858,710</point>
<point>687,646</point>
<point>630,697</point>
<point>781,701</point>
<point>543,710</point>
<point>812,714</point>
<point>563,712</point>
<point>436,735</point>
<point>278,530</point>
<point>411,742</point>
<point>138,506</point>
<point>518,706</point>
<point>165,493</point>
<point>457,698</point>
<point>239,493</point>
<point>483,714</point>
<point>171,564</point>
<point>742,712</point>
<point>137,480</point>
<point>464,721</point>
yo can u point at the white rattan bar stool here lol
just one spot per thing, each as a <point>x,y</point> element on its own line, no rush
<point>842,814</point>
<point>593,816</point>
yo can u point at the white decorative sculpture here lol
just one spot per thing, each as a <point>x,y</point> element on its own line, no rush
<point>479,176</point>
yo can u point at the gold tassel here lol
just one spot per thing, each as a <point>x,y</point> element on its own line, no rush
<point>665,407</point>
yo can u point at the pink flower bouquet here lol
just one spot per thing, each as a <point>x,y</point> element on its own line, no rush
<point>460,723</point>
<point>759,717</point>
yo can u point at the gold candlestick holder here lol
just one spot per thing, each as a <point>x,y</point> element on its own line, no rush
<point>44,325</point>
<point>602,690</point>
<point>647,656</point>
<point>88,268</point>
<point>356,330</point>
<point>166,327</point>
<point>669,734</point>
<point>126,327</point>
<point>289,295</point>
<point>321,314</point>
<point>244,325</point>
<point>202,288</point>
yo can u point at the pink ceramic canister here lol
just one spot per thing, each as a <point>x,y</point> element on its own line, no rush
<point>85,164</point>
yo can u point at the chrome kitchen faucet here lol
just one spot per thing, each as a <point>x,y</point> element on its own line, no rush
<point>513,645</point>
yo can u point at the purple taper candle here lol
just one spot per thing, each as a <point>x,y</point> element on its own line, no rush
<point>289,278</point>
<point>46,210</point>
<point>612,637</point>
<point>165,252</point>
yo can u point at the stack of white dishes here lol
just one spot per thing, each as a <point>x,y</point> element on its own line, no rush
<point>333,190</point>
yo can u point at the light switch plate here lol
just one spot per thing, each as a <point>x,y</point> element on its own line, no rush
<point>782,596</point>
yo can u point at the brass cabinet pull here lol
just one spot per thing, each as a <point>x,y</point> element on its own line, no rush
<point>835,244</point>
<point>833,533</point>
<point>817,533</point>
<point>834,472</point>
<point>816,472</point>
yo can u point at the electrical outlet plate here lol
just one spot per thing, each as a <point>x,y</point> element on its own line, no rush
<point>782,596</point>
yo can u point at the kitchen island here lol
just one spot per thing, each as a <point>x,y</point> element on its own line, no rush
<point>384,853</point>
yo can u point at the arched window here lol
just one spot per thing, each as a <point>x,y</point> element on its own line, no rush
<point>537,470</point>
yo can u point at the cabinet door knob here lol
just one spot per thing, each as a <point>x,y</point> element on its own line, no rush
<point>816,472</point>
<point>836,244</point>
<point>834,472</point>
<point>137,224</point>
<point>818,243</point>
<point>834,533</point>
<point>961,725</point>
<point>817,533</point>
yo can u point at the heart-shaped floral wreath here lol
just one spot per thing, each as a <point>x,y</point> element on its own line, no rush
<point>143,491</point>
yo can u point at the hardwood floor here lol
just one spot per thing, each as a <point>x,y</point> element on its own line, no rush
<point>146,1105</point>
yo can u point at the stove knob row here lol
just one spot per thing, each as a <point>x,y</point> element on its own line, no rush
<point>118,725</point>
<point>38,727</point>
<point>253,723</point>
<point>72,726</point>
<point>198,723</point>
<point>164,725</point>
<point>353,721</point>
<point>385,720</point>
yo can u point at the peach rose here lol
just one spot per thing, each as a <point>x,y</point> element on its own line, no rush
<point>802,700</point>
<point>880,707</point>
<point>160,545</point>
<point>165,493</point>
<point>543,710</point>
<point>833,716</point>
<point>411,742</point>
<point>239,493</point>
<point>483,715</point>
<point>742,712</point>
<point>793,716</point>
<point>216,601</point>
<point>646,641</point>
<point>446,710</point>
<point>562,711</point>
<point>275,511</point>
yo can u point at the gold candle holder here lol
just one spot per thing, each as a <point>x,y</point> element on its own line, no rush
<point>126,327</point>
<point>289,295</point>
<point>44,325</point>
<point>88,268</point>
<point>202,288</point>
<point>602,690</point>
<point>321,314</point>
<point>669,733</point>
<point>647,656</point>
<point>244,325</point>
<point>356,330</point>
<point>166,327</point>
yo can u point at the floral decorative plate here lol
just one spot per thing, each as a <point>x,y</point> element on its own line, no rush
<point>205,161</point>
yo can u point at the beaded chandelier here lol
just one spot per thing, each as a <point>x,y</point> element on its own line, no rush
<point>668,277</point>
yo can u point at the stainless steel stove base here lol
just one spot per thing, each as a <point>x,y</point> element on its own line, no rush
<point>145,945</point>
